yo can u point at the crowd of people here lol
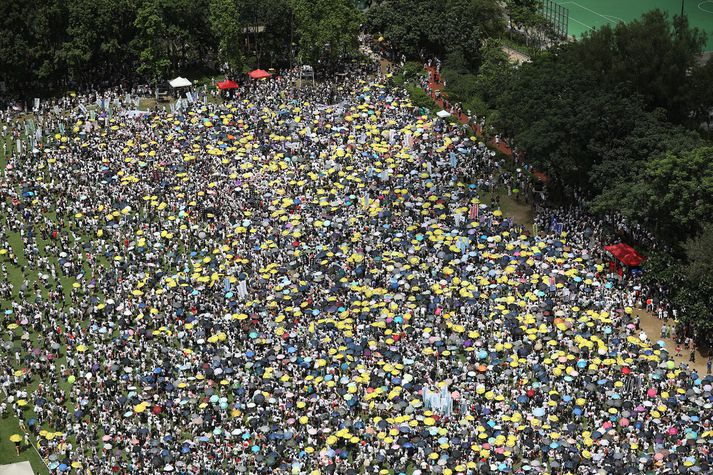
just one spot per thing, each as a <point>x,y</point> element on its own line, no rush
<point>282,282</point>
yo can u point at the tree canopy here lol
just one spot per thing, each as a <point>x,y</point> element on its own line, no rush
<point>328,29</point>
<point>438,28</point>
<point>51,44</point>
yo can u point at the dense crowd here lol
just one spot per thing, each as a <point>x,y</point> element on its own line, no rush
<point>274,283</point>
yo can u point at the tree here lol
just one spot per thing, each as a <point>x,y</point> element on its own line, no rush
<point>526,16</point>
<point>327,29</point>
<point>226,27</point>
<point>699,255</point>
<point>438,28</point>
<point>671,195</point>
<point>702,93</point>
<point>650,56</point>
<point>468,23</point>
<point>49,31</point>
<point>151,41</point>
<point>554,113</point>
<point>269,27</point>
<point>99,34</point>
<point>638,137</point>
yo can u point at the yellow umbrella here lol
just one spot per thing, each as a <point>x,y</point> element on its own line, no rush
<point>15,438</point>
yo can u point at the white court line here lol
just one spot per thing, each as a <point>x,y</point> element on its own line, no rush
<point>596,13</point>
<point>705,2</point>
<point>583,24</point>
<point>619,20</point>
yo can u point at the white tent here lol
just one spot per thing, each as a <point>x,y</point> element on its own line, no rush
<point>179,82</point>
<point>443,114</point>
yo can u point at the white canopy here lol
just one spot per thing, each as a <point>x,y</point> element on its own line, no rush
<point>179,82</point>
<point>443,114</point>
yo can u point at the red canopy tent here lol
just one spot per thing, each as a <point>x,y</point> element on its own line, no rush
<point>625,254</point>
<point>259,74</point>
<point>227,84</point>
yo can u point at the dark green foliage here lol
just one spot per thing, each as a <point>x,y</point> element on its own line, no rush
<point>327,29</point>
<point>416,27</point>
<point>671,194</point>
<point>50,44</point>
<point>650,56</point>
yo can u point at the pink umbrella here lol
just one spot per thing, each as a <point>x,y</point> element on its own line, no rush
<point>672,431</point>
<point>624,422</point>
<point>651,392</point>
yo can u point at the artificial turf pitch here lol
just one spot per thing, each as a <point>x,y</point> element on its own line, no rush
<point>585,15</point>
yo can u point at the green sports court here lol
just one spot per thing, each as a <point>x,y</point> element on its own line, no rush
<point>584,15</point>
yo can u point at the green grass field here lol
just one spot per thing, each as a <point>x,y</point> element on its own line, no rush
<point>586,15</point>
<point>10,425</point>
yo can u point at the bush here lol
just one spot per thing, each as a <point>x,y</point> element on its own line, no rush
<point>413,70</point>
<point>460,86</point>
<point>419,98</point>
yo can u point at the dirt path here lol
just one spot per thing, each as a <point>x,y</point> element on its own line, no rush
<point>652,326</point>
<point>462,117</point>
<point>384,65</point>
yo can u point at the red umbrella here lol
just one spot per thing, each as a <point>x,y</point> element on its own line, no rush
<point>259,74</point>
<point>227,84</point>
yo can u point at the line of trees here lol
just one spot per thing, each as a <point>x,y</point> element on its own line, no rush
<point>50,44</point>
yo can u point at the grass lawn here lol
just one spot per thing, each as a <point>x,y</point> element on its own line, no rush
<point>10,425</point>
<point>520,212</point>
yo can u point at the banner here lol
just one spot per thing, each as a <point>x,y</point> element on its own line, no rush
<point>473,213</point>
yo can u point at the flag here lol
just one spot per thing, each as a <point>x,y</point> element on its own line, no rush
<point>473,214</point>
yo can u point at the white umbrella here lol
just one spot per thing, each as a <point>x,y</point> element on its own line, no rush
<point>179,82</point>
<point>443,114</point>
